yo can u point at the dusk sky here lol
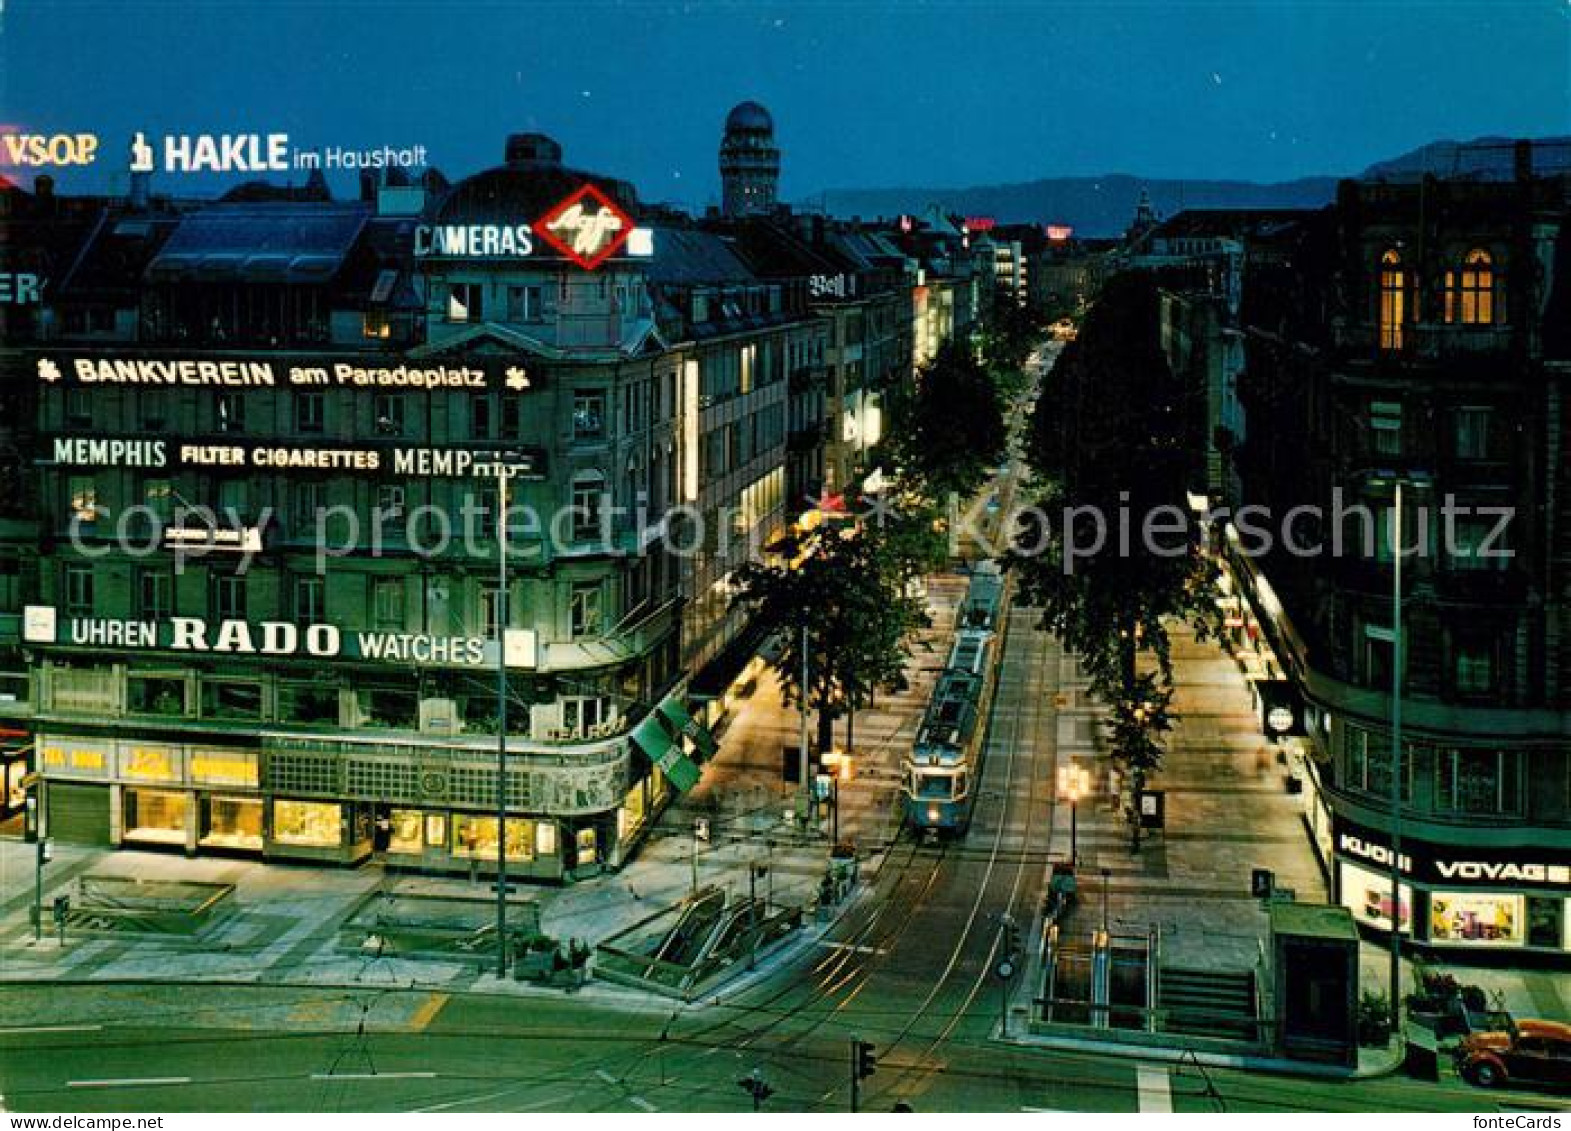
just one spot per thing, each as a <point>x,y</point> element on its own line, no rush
<point>863,94</point>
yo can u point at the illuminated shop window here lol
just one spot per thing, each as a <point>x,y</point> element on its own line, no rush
<point>1368,896</point>
<point>408,831</point>
<point>232,822</point>
<point>155,815</point>
<point>1476,917</point>
<point>588,847</point>
<point>1393,300</point>
<point>307,703</point>
<point>476,837</point>
<point>313,823</point>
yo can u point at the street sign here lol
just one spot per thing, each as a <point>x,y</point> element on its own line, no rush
<point>1261,883</point>
<point>1153,808</point>
<point>701,829</point>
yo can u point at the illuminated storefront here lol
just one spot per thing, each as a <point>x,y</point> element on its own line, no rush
<point>1469,896</point>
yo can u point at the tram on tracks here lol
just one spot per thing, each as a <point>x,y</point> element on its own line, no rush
<point>943,772</point>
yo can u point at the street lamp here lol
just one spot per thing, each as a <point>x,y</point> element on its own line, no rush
<point>1074,781</point>
<point>508,465</point>
<point>1397,482</point>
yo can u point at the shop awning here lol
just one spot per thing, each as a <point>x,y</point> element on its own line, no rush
<point>675,713</point>
<point>660,745</point>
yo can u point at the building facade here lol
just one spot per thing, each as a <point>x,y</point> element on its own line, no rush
<point>1415,333</point>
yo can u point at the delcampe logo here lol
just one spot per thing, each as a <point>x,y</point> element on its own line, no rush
<point>587,227</point>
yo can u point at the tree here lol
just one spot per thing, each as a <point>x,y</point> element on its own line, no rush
<point>857,611</point>
<point>1112,442</point>
<point>948,428</point>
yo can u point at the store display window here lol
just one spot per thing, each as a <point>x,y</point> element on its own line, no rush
<point>315,823</point>
<point>1368,896</point>
<point>232,822</point>
<point>407,834</point>
<point>476,836</point>
<point>1546,923</point>
<point>1476,917</point>
<point>155,816</point>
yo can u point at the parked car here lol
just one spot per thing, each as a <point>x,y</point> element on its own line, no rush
<point>1537,1052</point>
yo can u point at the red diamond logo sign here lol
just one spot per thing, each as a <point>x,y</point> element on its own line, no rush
<point>587,227</point>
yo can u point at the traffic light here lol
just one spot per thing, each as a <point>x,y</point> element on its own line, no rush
<point>1011,939</point>
<point>866,1060</point>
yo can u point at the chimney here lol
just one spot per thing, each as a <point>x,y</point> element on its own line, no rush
<point>141,184</point>
<point>368,185</point>
<point>44,187</point>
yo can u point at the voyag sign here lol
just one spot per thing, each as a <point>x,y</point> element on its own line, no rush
<point>196,635</point>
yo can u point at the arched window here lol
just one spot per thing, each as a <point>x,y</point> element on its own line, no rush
<point>1476,295</point>
<point>1393,300</point>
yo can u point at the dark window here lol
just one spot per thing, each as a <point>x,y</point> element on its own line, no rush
<point>588,414</point>
<point>389,410</point>
<point>229,596</point>
<point>310,411</point>
<point>79,590</point>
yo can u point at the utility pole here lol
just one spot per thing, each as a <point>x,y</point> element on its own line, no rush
<point>805,783</point>
<point>1396,767</point>
<point>503,473</point>
<point>41,859</point>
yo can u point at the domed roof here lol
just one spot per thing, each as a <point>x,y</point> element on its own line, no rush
<point>749,116</point>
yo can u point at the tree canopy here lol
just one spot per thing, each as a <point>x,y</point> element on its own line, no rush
<point>1111,441</point>
<point>947,428</point>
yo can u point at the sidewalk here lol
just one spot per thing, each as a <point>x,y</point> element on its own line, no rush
<point>1228,812</point>
<point>283,928</point>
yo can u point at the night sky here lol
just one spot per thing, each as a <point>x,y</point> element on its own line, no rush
<point>864,94</point>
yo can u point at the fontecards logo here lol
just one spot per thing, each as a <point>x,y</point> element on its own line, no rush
<point>260,153</point>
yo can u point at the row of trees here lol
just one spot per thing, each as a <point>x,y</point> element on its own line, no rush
<point>1111,443</point>
<point>853,585</point>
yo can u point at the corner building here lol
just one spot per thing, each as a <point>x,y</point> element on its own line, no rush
<point>341,379</point>
<point>1417,332</point>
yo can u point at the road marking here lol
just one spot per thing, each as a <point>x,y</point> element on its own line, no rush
<point>145,1082</point>
<point>852,947</point>
<point>1046,1110</point>
<point>52,1029</point>
<point>607,1077</point>
<point>641,1104</point>
<point>427,1012</point>
<point>1155,1086</point>
<point>373,1075</point>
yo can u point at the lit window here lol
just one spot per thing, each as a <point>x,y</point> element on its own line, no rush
<point>84,499</point>
<point>376,324</point>
<point>465,303</point>
<point>585,610</point>
<point>588,414</point>
<point>1476,295</point>
<point>1393,300</point>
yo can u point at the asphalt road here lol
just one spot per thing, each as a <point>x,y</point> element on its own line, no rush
<point>907,966</point>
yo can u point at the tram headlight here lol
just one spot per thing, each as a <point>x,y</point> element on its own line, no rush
<point>932,814</point>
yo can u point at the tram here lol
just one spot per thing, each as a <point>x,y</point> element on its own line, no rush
<point>943,772</point>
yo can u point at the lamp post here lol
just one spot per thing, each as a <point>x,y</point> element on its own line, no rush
<point>1395,534</point>
<point>508,464</point>
<point>1073,782</point>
